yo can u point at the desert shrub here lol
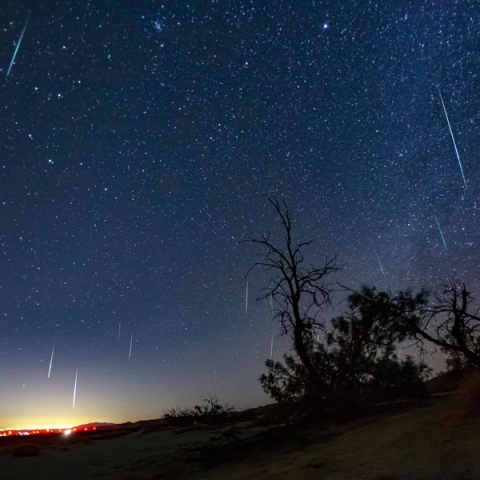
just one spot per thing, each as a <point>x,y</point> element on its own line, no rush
<point>469,392</point>
<point>173,412</point>
<point>177,416</point>
<point>211,408</point>
<point>26,450</point>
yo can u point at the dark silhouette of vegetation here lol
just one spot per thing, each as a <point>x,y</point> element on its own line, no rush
<point>210,408</point>
<point>356,356</point>
<point>450,320</point>
<point>356,360</point>
<point>299,292</point>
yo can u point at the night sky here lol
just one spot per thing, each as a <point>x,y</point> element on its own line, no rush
<point>137,141</point>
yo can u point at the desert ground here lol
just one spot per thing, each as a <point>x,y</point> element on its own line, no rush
<point>432,438</point>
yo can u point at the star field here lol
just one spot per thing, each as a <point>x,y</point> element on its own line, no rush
<point>137,140</point>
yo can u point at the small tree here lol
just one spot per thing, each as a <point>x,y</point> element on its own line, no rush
<point>357,360</point>
<point>451,320</point>
<point>299,291</point>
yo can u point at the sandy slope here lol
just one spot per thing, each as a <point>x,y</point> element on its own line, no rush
<point>432,441</point>
<point>107,458</point>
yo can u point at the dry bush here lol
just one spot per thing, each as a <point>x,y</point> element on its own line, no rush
<point>26,450</point>
<point>469,393</point>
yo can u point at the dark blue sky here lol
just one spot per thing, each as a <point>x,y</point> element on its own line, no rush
<point>137,139</point>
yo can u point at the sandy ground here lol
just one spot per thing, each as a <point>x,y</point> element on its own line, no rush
<point>430,441</point>
<point>141,454</point>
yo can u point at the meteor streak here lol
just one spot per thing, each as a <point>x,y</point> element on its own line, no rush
<point>453,139</point>
<point>18,46</point>
<point>441,233</point>
<point>119,327</point>
<point>379,262</point>
<point>130,350</point>
<point>75,389</point>
<point>51,361</point>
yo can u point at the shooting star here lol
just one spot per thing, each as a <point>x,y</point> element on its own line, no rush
<point>271,347</point>
<point>18,46</point>
<point>441,232</point>
<point>130,350</point>
<point>75,389</point>
<point>51,361</point>
<point>246,295</point>
<point>119,327</point>
<point>453,139</point>
<point>379,262</point>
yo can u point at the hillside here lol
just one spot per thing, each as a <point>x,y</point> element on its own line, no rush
<point>428,439</point>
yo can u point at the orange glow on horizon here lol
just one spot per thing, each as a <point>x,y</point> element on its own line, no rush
<point>30,428</point>
<point>8,432</point>
<point>45,428</point>
<point>45,423</point>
